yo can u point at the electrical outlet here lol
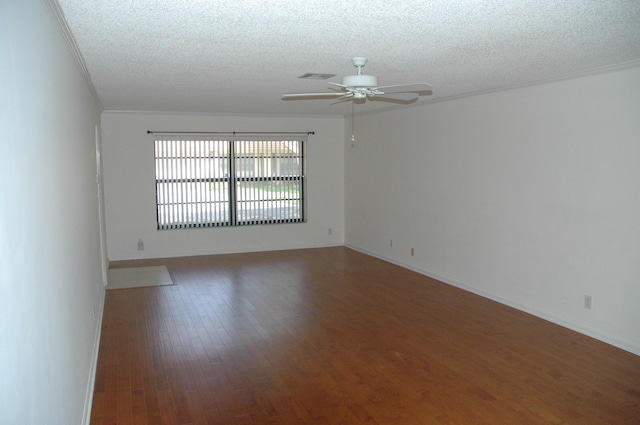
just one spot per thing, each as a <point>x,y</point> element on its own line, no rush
<point>412,252</point>
<point>330,232</point>
<point>391,243</point>
<point>587,302</point>
<point>140,245</point>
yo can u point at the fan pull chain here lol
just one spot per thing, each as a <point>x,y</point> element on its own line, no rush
<point>353,126</point>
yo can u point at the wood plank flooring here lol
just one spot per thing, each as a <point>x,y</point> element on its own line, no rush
<point>333,336</point>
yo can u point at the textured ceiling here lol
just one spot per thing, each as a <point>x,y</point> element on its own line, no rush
<point>239,57</point>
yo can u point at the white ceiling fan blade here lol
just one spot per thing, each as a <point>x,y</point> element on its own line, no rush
<point>399,98</point>
<point>299,96</point>
<point>401,95</point>
<point>342,86</point>
<point>422,88</point>
<point>344,98</point>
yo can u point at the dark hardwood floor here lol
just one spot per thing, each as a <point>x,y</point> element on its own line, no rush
<point>333,336</point>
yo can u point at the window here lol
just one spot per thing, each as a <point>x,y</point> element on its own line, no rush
<point>211,183</point>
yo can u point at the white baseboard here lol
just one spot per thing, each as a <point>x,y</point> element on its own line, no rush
<point>228,251</point>
<point>624,345</point>
<point>88,400</point>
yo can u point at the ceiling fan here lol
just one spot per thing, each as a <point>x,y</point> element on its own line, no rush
<point>361,87</point>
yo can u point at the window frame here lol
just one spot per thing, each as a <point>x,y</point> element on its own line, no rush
<point>233,181</point>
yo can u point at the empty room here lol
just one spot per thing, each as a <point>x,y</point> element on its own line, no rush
<point>366,212</point>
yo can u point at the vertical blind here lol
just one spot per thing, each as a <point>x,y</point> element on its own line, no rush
<point>210,183</point>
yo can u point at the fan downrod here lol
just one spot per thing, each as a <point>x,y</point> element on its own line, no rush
<point>359,62</point>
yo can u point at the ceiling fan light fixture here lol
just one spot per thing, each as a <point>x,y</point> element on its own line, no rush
<point>358,88</point>
<point>365,81</point>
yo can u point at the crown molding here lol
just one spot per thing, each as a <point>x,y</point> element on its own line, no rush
<point>54,7</point>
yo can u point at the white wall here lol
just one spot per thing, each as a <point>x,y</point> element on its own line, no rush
<point>50,267</point>
<point>130,187</point>
<point>529,196</point>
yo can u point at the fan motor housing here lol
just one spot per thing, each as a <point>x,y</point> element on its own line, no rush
<point>368,81</point>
